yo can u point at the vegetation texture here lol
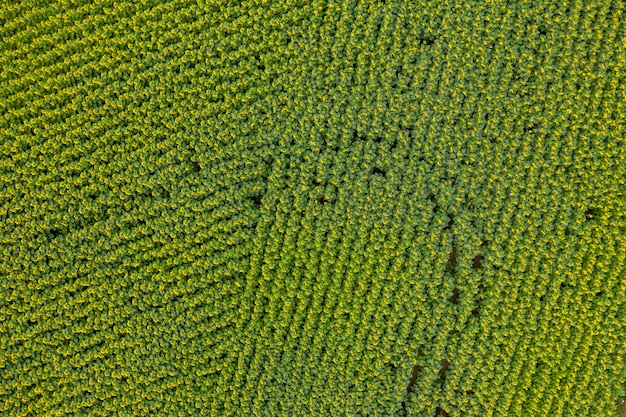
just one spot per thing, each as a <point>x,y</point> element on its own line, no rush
<point>312,208</point>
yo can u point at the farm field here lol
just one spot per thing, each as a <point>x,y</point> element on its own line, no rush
<point>313,208</point>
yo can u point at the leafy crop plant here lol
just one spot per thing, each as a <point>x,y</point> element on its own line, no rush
<point>312,208</point>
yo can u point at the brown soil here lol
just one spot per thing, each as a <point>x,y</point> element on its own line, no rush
<point>441,412</point>
<point>416,369</point>
<point>455,296</point>
<point>444,368</point>
<point>476,261</point>
<point>621,409</point>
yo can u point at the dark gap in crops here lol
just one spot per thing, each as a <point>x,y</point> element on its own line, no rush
<point>621,403</point>
<point>444,368</point>
<point>431,198</point>
<point>426,41</point>
<point>323,200</point>
<point>563,285</point>
<point>316,182</point>
<point>599,293</point>
<point>257,199</point>
<point>195,166</point>
<point>379,171</point>
<point>260,64</point>
<point>378,139</point>
<point>441,412</point>
<point>591,212</point>
<point>529,127</point>
<point>476,261</point>
<point>452,259</point>
<point>455,296</point>
<point>475,311</point>
<point>356,136</point>
<point>394,145</point>
<point>414,372</point>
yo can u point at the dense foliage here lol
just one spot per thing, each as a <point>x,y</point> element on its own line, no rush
<point>312,207</point>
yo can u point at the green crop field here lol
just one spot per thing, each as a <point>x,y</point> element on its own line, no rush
<point>313,208</point>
